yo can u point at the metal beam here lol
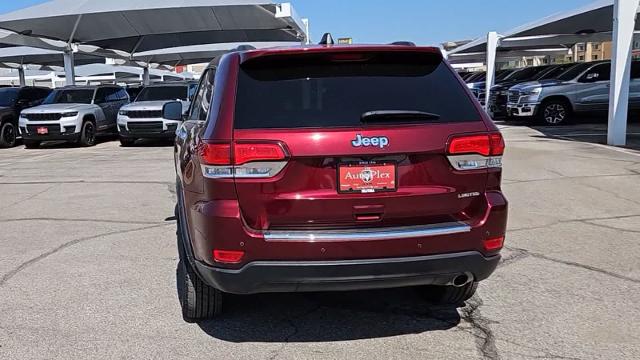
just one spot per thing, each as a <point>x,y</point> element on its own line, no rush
<point>146,77</point>
<point>624,19</point>
<point>23,80</point>
<point>492,48</point>
<point>69,69</point>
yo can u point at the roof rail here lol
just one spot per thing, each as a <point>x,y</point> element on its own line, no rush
<point>403,43</point>
<point>327,39</point>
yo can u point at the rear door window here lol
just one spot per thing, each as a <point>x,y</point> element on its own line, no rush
<point>335,90</point>
<point>202,102</point>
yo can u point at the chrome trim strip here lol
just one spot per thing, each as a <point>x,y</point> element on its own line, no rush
<point>407,232</point>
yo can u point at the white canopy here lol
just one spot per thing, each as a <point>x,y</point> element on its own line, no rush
<point>592,22</point>
<point>186,55</point>
<point>145,25</point>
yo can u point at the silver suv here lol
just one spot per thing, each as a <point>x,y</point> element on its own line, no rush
<point>74,114</point>
<point>143,117</point>
<point>584,88</point>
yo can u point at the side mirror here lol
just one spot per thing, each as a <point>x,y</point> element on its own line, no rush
<point>172,110</point>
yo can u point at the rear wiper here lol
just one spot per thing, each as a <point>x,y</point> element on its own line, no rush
<point>397,115</point>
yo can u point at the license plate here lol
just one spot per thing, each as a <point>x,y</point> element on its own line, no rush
<point>366,178</point>
<point>42,131</point>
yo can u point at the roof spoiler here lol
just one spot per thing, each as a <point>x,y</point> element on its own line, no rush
<point>403,43</point>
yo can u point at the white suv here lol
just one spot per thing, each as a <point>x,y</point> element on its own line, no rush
<point>74,114</point>
<point>143,117</point>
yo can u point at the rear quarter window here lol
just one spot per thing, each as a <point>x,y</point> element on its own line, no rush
<point>319,91</point>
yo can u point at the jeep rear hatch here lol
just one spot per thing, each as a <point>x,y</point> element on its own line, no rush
<point>352,139</point>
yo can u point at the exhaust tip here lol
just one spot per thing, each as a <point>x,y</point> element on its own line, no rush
<point>461,280</point>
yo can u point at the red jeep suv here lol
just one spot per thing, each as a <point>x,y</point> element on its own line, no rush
<point>328,168</point>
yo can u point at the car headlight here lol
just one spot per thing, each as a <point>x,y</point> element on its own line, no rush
<point>534,91</point>
<point>70,114</point>
<point>123,112</point>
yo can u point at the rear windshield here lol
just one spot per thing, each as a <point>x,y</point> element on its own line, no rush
<point>328,91</point>
<point>75,96</point>
<point>157,93</point>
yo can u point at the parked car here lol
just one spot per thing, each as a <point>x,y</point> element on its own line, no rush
<point>334,168</point>
<point>143,117</point>
<point>476,76</point>
<point>73,114</point>
<point>464,74</point>
<point>499,92</point>
<point>133,91</point>
<point>584,88</point>
<point>477,84</point>
<point>12,101</point>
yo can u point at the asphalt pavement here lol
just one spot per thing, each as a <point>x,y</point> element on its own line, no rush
<point>88,259</point>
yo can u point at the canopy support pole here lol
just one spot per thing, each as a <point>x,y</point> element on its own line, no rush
<point>492,48</point>
<point>624,19</point>
<point>23,80</point>
<point>146,78</point>
<point>69,70</point>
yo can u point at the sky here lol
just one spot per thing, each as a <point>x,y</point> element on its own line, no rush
<point>425,22</point>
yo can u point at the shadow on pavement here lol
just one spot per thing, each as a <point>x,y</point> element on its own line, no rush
<point>100,139</point>
<point>150,143</point>
<point>586,130</point>
<point>323,317</point>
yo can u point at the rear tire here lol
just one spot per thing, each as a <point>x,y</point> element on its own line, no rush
<point>31,144</point>
<point>126,142</point>
<point>88,134</point>
<point>8,135</point>
<point>449,295</point>
<point>554,112</point>
<point>198,300</point>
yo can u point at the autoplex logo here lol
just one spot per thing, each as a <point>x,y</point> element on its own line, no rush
<point>367,175</point>
<point>376,141</point>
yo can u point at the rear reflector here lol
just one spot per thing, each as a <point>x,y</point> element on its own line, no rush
<point>228,256</point>
<point>494,244</point>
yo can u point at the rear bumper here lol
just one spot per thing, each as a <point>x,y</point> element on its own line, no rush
<point>304,276</point>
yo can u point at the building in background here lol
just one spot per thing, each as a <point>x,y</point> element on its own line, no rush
<point>591,51</point>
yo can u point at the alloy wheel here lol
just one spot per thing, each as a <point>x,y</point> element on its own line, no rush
<point>90,133</point>
<point>9,134</point>
<point>555,114</point>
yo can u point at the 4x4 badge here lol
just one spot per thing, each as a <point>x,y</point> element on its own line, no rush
<point>377,141</point>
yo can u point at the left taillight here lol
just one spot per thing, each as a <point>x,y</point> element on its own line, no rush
<point>475,152</point>
<point>242,160</point>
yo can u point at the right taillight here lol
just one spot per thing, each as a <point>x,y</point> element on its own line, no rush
<point>475,152</point>
<point>242,160</point>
